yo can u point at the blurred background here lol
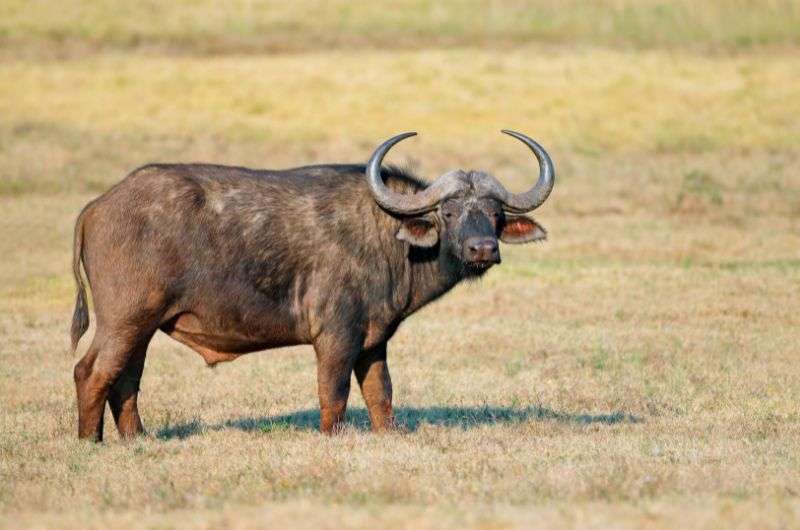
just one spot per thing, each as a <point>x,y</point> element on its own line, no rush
<point>649,347</point>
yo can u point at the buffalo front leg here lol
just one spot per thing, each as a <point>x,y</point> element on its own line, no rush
<point>335,358</point>
<point>372,374</point>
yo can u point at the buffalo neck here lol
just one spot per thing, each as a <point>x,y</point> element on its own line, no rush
<point>433,272</point>
<point>428,273</point>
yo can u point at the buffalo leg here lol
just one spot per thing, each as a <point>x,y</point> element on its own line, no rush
<point>95,374</point>
<point>90,403</point>
<point>335,359</point>
<point>372,374</point>
<point>123,395</point>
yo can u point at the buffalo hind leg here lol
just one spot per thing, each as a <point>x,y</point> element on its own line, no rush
<point>90,402</point>
<point>124,392</point>
<point>372,374</point>
<point>95,374</point>
<point>335,358</point>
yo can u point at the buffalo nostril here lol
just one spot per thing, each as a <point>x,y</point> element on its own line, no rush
<point>482,249</point>
<point>488,246</point>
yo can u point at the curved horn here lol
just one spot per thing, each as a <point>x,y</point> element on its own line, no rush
<point>533,198</point>
<point>400,203</point>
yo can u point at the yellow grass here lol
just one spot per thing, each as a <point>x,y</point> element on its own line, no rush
<point>286,110</point>
<point>77,27</point>
<point>639,369</point>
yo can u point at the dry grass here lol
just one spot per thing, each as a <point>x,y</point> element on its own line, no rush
<point>64,123</point>
<point>640,369</point>
<point>78,27</point>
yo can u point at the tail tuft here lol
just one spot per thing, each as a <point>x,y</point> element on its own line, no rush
<point>80,317</point>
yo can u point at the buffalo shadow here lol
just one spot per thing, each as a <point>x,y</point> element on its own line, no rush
<point>407,418</point>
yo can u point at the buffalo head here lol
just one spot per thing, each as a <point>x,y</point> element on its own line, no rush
<point>466,212</point>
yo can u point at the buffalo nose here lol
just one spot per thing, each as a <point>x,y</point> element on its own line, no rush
<point>482,249</point>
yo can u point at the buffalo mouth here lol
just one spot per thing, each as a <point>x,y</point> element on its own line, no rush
<point>478,267</point>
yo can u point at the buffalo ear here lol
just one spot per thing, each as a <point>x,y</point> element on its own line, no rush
<point>419,231</point>
<point>520,229</point>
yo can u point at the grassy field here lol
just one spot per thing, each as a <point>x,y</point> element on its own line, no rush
<point>200,27</point>
<point>639,369</point>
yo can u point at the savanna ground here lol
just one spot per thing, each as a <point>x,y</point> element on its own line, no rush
<point>641,368</point>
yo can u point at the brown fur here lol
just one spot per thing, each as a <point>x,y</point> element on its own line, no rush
<point>230,260</point>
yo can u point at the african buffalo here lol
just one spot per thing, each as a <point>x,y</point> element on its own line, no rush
<point>230,260</point>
